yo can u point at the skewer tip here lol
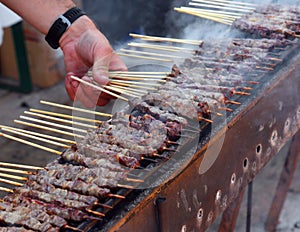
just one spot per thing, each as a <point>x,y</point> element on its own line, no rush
<point>95,213</point>
<point>116,196</point>
<point>72,228</point>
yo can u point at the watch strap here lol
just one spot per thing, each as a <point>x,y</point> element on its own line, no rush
<point>61,24</point>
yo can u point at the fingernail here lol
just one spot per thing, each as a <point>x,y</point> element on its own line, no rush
<point>74,84</point>
<point>105,79</point>
<point>102,80</point>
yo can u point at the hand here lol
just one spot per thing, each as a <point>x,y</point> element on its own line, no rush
<point>84,46</point>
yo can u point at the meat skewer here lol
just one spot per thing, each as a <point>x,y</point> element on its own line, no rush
<point>48,188</point>
<point>15,229</point>
<point>23,218</point>
<point>52,209</point>
<point>37,213</point>
<point>76,186</point>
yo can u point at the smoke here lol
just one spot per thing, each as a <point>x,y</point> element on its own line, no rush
<point>192,27</point>
<point>117,18</point>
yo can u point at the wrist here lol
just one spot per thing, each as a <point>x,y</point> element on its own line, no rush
<point>61,25</point>
<point>76,30</point>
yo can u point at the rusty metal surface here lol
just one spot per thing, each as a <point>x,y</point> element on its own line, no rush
<point>254,134</point>
<point>284,183</point>
<point>230,215</point>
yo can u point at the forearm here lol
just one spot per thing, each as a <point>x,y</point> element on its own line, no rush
<point>39,13</point>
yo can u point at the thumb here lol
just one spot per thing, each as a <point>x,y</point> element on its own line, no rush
<point>100,69</point>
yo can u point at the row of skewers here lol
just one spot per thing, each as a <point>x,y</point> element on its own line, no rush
<point>100,155</point>
<point>273,21</point>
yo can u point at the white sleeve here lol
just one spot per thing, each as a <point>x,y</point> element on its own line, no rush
<point>7,18</point>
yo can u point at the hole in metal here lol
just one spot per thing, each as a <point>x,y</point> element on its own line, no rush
<point>245,163</point>
<point>200,214</point>
<point>233,178</point>
<point>258,149</point>
<point>274,138</point>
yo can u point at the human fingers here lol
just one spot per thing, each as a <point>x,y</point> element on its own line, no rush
<point>71,86</point>
<point>87,95</point>
<point>116,63</point>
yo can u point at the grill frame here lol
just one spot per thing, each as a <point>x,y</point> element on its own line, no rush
<point>271,105</point>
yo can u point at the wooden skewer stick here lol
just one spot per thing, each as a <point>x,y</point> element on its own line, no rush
<point>53,124</point>
<point>116,196</point>
<point>242,93</point>
<point>160,156</point>
<point>98,88</point>
<point>72,228</point>
<point>130,78</point>
<point>131,85</point>
<point>31,144</point>
<point>204,16</point>
<point>161,47</point>
<point>145,76</point>
<point>139,72</point>
<point>165,39</point>
<point>95,213</point>
<point>37,138</point>
<point>219,7</point>
<point>233,102</point>
<point>126,91</point>
<point>226,4</point>
<point>134,180</point>
<point>137,91</point>
<point>48,128</point>
<point>5,164</point>
<point>15,171</point>
<point>60,120</point>
<point>234,2</point>
<point>213,11</point>
<point>134,82</point>
<point>264,68</point>
<point>155,47</point>
<point>205,120</point>
<point>103,205</point>
<point>201,12</point>
<point>40,135</point>
<point>172,143</point>
<point>121,91</point>
<point>6,190</point>
<point>226,109</point>
<point>125,186</point>
<point>150,53</point>
<point>11,182</point>
<point>75,108</point>
<point>65,116</point>
<point>144,57</point>
<point>246,88</point>
<point>13,176</point>
<point>274,59</point>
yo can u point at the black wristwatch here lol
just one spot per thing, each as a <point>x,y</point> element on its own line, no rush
<point>59,27</point>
